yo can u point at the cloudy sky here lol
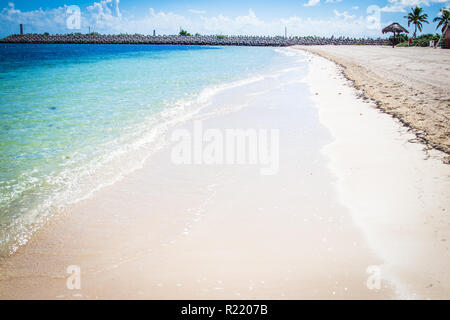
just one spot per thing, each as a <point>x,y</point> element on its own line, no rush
<point>255,17</point>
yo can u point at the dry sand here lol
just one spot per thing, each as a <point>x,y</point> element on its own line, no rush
<point>412,84</point>
<point>398,193</point>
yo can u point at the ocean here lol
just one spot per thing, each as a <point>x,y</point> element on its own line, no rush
<point>74,118</point>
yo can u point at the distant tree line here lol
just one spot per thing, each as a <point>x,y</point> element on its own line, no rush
<point>418,17</point>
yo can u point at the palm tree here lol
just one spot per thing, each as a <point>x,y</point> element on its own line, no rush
<point>416,16</point>
<point>443,19</point>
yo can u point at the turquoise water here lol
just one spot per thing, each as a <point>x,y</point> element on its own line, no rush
<point>76,117</point>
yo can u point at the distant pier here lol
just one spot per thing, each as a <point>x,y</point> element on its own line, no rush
<point>187,40</point>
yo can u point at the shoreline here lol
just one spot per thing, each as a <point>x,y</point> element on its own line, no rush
<point>401,86</point>
<point>397,192</point>
<point>212,232</point>
<point>207,40</point>
<point>352,194</point>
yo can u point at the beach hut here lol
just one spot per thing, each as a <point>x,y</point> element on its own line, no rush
<point>395,28</point>
<point>447,39</point>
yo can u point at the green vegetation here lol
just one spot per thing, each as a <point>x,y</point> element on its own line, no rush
<point>184,33</point>
<point>417,17</point>
<point>424,40</point>
<point>421,41</point>
<point>403,44</point>
<point>220,36</point>
<point>398,39</point>
<point>443,19</point>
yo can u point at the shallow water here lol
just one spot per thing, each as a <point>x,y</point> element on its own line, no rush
<point>74,118</point>
<point>221,230</point>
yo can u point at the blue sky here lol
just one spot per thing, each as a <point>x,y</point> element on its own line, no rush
<point>301,17</point>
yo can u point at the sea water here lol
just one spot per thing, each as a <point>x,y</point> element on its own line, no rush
<point>74,118</point>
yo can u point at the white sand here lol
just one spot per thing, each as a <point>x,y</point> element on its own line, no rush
<point>167,231</point>
<point>198,231</point>
<point>412,84</point>
<point>398,194</point>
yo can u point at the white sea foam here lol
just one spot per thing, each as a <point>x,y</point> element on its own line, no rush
<point>126,154</point>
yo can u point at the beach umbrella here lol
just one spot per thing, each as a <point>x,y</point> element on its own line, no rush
<point>395,28</point>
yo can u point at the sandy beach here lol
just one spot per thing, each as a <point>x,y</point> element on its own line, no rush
<point>355,211</point>
<point>411,84</point>
<point>397,191</point>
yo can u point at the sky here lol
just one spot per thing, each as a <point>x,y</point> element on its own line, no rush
<point>353,18</point>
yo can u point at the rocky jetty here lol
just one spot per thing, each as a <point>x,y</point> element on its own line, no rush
<point>79,38</point>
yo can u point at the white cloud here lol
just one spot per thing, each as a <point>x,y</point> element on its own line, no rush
<point>402,5</point>
<point>105,17</point>
<point>104,13</point>
<point>51,20</point>
<point>312,3</point>
<point>344,15</point>
<point>194,11</point>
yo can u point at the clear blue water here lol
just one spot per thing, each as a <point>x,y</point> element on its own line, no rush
<point>74,117</point>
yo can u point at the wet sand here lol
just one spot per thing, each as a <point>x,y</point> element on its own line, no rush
<point>222,231</point>
<point>411,84</point>
<point>398,193</point>
<point>342,201</point>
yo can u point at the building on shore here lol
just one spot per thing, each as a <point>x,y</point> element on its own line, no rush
<point>447,38</point>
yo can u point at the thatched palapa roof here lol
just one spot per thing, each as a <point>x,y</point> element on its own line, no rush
<point>395,27</point>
